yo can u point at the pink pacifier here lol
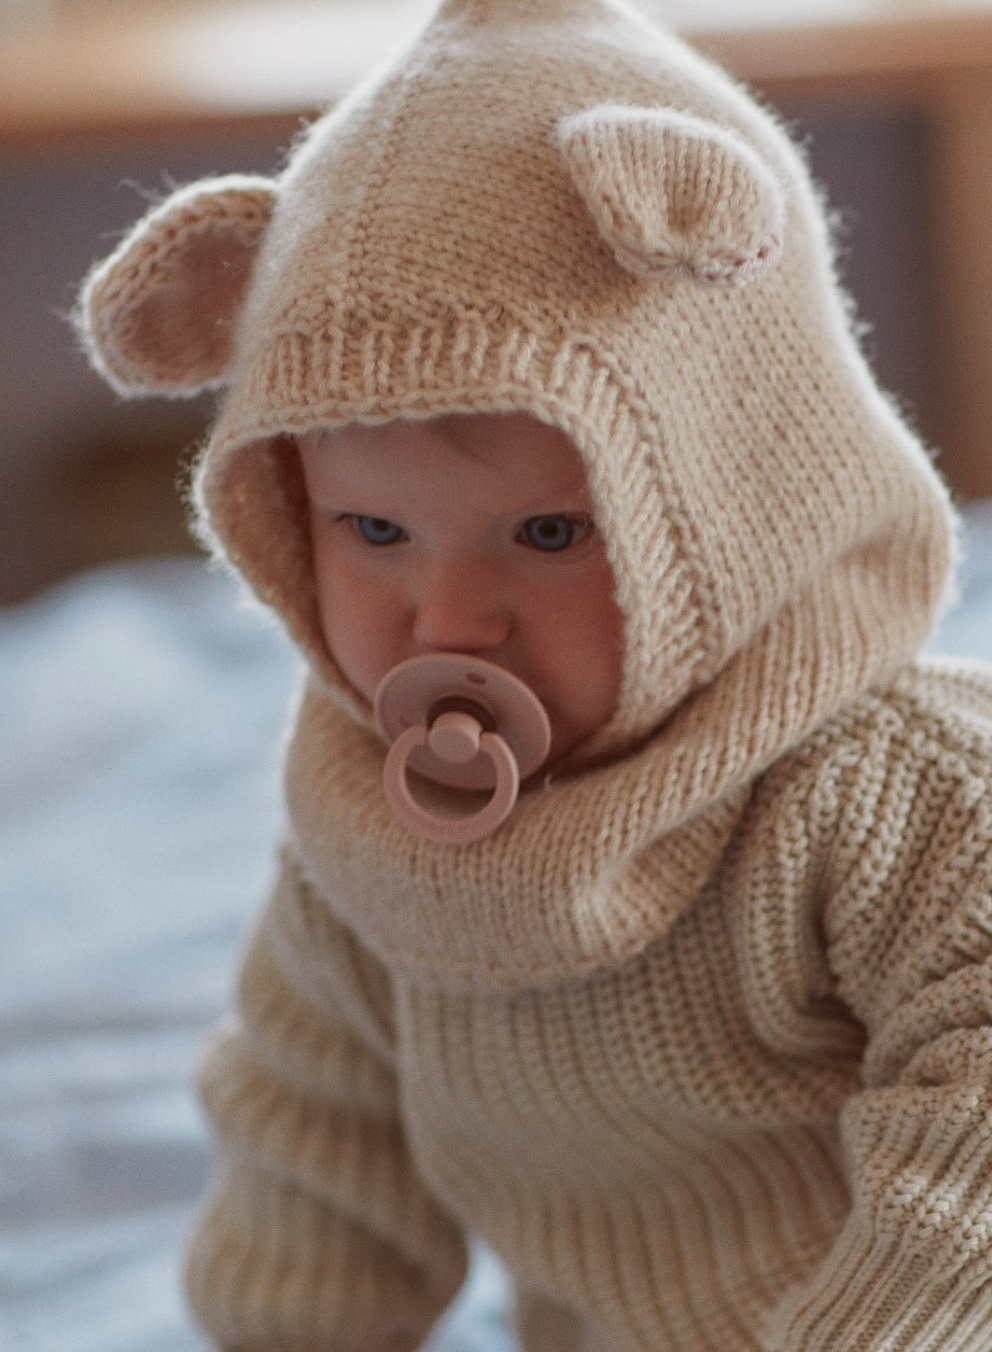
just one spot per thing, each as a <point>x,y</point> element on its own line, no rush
<point>463,723</point>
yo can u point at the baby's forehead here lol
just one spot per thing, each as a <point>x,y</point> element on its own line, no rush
<point>495,448</point>
<point>472,433</point>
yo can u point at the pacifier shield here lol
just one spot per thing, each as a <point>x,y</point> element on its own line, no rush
<point>418,691</point>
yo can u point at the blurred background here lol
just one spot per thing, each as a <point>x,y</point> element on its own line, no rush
<point>141,709</point>
<point>105,104</point>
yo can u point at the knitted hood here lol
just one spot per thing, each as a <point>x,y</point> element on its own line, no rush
<point>552,206</point>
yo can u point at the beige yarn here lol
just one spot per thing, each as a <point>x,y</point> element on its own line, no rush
<point>767,1128</point>
<point>699,1041</point>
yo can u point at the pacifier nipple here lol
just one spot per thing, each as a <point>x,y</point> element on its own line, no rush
<point>455,737</point>
<point>462,723</point>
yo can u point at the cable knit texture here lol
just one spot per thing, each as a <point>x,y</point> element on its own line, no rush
<point>700,1041</point>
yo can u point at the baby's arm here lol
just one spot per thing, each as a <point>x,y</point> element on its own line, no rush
<point>909,932</point>
<point>319,1236</point>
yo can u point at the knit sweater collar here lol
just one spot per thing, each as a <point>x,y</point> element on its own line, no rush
<point>587,872</point>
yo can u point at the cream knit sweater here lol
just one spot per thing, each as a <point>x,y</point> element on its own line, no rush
<point>765,1124</point>
<point>700,1041</point>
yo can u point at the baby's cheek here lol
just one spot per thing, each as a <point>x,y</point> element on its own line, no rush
<point>580,634</point>
<point>358,622</point>
<point>598,644</point>
<point>370,634</point>
<point>323,570</point>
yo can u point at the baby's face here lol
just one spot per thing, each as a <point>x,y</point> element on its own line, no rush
<point>471,534</point>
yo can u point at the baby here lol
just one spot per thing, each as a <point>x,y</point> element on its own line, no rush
<point>469,534</point>
<point>535,359</point>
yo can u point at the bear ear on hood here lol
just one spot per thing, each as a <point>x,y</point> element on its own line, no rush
<point>156,317</point>
<point>671,193</point>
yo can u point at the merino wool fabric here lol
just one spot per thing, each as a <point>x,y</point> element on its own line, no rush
<point>700,1040</point>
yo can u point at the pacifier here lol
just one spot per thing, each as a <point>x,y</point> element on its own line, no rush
<point>462,723</point>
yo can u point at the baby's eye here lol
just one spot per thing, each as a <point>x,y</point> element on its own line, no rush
<point>552,534</point>
<point>376,531</point>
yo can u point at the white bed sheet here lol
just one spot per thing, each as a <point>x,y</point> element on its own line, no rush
<point>140,718</point>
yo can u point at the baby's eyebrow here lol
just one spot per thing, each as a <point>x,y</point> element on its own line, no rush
<point>566,497</point>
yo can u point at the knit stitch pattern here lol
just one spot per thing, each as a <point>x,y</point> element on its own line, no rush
<point>699,1040</point>
<point>767,1128</point>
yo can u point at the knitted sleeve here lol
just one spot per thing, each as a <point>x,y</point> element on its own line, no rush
<point>319,1236</point>
<point>908,928</point>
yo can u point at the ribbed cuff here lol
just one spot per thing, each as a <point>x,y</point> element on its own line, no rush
<point>878,1295</point>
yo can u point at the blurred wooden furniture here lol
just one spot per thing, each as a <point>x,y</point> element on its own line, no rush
<point>259,68</point>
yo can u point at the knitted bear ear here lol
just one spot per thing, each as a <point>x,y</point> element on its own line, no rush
<point>673,194</point>
<point>156,316</point>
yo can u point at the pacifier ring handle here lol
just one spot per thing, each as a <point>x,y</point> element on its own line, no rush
<point>465,724</point>
<point>451,732</point>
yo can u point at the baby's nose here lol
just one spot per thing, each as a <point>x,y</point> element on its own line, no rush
<point>458,609</point>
